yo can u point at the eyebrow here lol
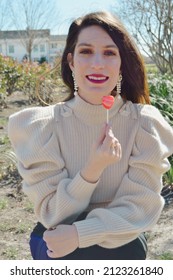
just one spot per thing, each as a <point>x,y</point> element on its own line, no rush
<point>89,45</point>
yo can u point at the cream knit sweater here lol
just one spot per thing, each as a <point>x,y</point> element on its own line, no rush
<point>52,145</point>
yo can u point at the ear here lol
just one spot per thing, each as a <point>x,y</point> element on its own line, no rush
<point>70,61</point>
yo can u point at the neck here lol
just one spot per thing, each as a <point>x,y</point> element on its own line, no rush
<point>94,100</point>
<point>93,114</point>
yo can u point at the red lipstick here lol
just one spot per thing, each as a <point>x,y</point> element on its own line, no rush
<point>97,78</point>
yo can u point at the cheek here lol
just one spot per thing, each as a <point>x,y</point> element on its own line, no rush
<point>80,61</point>
<point>80,71</point>
<point>80,67</point>
<point>115,68</point>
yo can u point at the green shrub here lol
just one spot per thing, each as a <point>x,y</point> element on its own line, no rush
<point>26,77</point>
<point>161,92</point>
<point>10,72</point>
<point>43,59</point>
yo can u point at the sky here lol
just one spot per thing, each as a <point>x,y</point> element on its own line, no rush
<point>70,9</point>
<point>67,11</point>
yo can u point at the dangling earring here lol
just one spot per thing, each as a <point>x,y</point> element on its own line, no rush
<point>119,84</point>
<point>75,84</point>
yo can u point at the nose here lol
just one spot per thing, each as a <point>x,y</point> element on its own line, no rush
<point>97,62</point>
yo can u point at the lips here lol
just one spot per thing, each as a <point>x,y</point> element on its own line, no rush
<point>97,78</point>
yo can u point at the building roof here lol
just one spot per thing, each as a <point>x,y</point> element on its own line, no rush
<point>17,34</point>
<point>58,37</point>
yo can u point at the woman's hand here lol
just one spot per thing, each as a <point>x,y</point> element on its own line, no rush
<point>61,241</point>
<point>105,151</point>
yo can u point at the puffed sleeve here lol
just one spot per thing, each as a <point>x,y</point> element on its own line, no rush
<point>56,197</point>
<point>138,203</point>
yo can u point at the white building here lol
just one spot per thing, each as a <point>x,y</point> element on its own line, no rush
<point>13,44</point>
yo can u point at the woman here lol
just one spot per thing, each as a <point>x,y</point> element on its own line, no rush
<point>95,186</point>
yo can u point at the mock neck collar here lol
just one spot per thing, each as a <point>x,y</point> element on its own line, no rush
<point>93,114</point>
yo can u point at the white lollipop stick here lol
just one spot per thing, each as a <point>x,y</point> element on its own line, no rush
<point>107,119</point>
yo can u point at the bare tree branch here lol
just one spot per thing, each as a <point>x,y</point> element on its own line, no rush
<point>151,23</point>
<point>35,15</point>
<point>4,14</point>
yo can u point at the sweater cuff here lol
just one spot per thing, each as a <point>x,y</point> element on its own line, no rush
<point>90,232</point>
<point>81,188</point>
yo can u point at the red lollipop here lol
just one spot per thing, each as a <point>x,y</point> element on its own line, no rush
<point>107,102</point>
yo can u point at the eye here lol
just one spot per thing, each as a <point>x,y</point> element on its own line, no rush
<point>85,51</point>
<point>109,53</point>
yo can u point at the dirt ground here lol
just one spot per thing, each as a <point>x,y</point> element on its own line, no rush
<point>17,218</point>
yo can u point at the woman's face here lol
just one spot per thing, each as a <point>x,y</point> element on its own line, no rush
<point>96,64</point>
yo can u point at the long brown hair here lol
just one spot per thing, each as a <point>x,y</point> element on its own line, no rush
<point>134,83</point>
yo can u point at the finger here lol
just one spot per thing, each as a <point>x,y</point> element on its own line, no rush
<point>109,131</point>
<point>114,142</point>
<point>110,140</point>
<point>118,151</point>
<point>47,234</point>
<point>51,254</point>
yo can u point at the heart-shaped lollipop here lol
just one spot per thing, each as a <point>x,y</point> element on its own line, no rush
<point>107,102</point>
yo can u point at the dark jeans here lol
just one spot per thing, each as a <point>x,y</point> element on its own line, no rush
<point>135,250</point>
<point>131,251</point>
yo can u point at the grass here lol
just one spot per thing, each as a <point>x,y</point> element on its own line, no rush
<point>21,228</point>
<point>166,256</point>
<point>29,207</point>
<point>4,140</point>
<point>10,253</point>
<point>151,68</point>
<point>3,203</point>
<point>6,227</point>
<point>17,227</point>
<point>3,121</point>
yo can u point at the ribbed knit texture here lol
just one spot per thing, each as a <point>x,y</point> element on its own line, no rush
<point>52,145</point>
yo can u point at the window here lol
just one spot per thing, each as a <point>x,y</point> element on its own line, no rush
<point>36,59</point>
<point>11,49</point>
<point>54,45</point>
<point>35,48</point>
<point>42,48</point>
